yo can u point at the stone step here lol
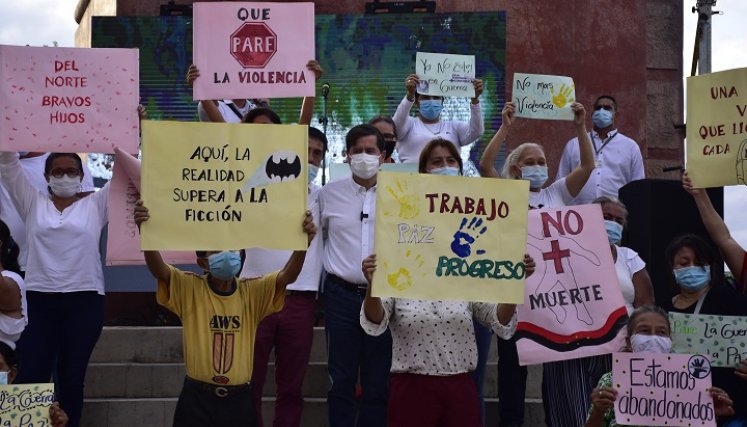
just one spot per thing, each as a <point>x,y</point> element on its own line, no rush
<point>162,380</point>
<point>160,412</point>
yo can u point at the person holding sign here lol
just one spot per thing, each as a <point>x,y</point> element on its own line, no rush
<point>527,161</point>
<point>416,132</point>
<point>64,277</point>
<point>648,331</point>
<point>702,292</point>
<point>347,214</point>
<point>734,255</point>
<point>220,315</point>
<point>618,158</point>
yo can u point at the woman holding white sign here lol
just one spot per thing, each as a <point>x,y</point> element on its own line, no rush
<point>64,277</point>
<point>648,331</point>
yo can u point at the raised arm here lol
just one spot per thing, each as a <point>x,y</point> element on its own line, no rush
<point>21,191</point>
<point>402,114</point>
<point>476,126</point>
<point>210,107</point>
<point>576,180</point>
<point>159,269</point>
<point>307,107</point>
<point>732,252</point>
<point>487,160</point>
<point>293,267</point>
<point>372,306</point>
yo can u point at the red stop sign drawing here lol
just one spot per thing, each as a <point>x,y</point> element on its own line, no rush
<point>253,44</point>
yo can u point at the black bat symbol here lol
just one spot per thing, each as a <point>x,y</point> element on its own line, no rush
<point>288,168</point>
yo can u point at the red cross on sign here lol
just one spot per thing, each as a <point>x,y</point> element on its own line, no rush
<point>253,44</point>
<point>556,255</point>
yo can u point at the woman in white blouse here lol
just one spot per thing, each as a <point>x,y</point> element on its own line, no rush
<point>64,277</point>
<point>433,342</point>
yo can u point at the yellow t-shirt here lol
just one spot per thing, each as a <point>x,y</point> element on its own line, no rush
<point>219,330</point>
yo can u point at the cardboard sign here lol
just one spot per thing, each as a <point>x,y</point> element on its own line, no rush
<point>23,405</point>
<point>253,50</point>
<point>219,186</point>
<point>450,238</point>
<point>68,99</point>
<point>123,238</point>
<point>722,338</point>
<point>662,390</point>
<point>443,74</point>
<point>573,305</point>
<point>539,96</point>
<point>717,128</point>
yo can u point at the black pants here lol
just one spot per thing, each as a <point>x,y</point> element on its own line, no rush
<point>512,384</point>
<point>200,407</point>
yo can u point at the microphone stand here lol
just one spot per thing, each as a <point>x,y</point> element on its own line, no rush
<point>325,120</point>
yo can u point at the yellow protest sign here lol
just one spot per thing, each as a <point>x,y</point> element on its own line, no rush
<point>450,238</point>
<point>717,128</point>
<point>26,404</point>
<point>217,186</point>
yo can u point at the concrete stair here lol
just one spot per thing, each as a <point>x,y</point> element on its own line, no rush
<point>136,373</point>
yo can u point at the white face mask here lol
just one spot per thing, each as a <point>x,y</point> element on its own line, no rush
<point>650,344</point>
<point>364,166</point>
<point>67,186</point>
<point>3,378</point>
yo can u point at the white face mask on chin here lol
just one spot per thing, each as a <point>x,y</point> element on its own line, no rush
<point>64,187</point>
<point>364,166</point>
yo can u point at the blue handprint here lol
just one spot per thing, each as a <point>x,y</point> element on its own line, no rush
<point>463,239</point>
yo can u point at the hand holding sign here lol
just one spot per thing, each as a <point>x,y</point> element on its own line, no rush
<point>539,96</point>
<point>446,75</point>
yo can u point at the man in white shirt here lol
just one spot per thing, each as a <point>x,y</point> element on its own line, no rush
<point>347,216</point>
<point>33,167</point>
<point>618,158</point>
<point>290,331</point>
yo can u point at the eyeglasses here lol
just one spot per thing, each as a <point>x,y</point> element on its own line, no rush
<point>604,107</point>
<point>60,172</point>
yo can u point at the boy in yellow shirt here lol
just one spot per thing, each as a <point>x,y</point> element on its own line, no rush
<point>219,314</point>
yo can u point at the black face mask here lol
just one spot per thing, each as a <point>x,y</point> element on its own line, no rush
<point>389,148</point>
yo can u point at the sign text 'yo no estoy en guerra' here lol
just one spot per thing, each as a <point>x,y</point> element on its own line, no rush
<point>253,50</point>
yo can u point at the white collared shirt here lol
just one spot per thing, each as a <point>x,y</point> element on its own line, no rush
<point>63,246</point>
<point>413,135</point>
<point>617,163</point>
<point>261,261</point>
<point>347,215</point>
<point>229,116</point>
<point>435,337</point>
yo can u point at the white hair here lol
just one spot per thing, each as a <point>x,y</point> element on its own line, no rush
<point>514,156</point>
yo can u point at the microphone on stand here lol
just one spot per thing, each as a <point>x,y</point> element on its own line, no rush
<point>325,90</point>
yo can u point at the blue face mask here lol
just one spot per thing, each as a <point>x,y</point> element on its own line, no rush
<point>447,171</point>
<point>693,278</point>
<point>601,118</point>
<point>313,172</point>
<point>225,265</point>
<point>614,230</point>
<point>536,175</point>
<point>430,108</point>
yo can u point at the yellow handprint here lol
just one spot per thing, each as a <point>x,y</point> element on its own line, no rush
<point>407,202</point>
<point>402,278</point>
<point>562,98</point>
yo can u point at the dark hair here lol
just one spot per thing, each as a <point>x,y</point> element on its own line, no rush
<point>385,119</point>
<point>361,131</point>
<point>704,254</point>
<point>317,134</point>
<point>9,251</point>
<point>603,200</point>
<point>53,156</point>
<point>610,97</point>
<point>9,355</point>
<point>638,312</point>
<point>432,145</point>
<point>201,254</point>
<point>261,111</point>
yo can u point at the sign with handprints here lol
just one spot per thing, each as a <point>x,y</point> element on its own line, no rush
<point>450,238</point>
<point>655,389</point>
<point>717,128</point>
<point>573,305</point>
<point>218,186</point>
<point>443,74</point>
<point>722,338</point>
<point>539,96</point>
<point>26,404</point>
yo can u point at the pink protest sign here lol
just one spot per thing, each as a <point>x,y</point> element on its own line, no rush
<point>123,241</point>
<point>573,306</point>
<point>68,99</point>
<point>253,50</point>
<point>662,389</point>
